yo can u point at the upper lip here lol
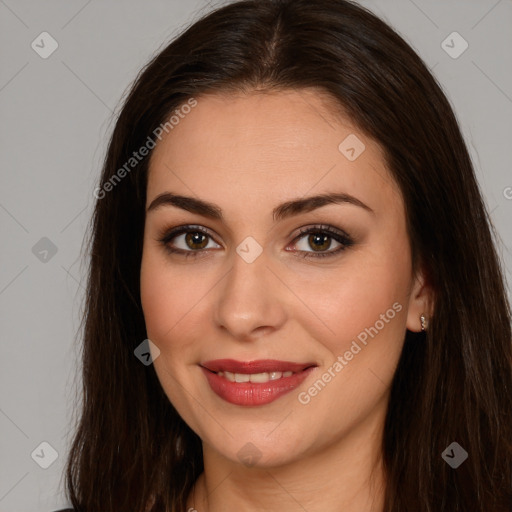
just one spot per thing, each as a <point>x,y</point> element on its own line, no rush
<point>256,366</point>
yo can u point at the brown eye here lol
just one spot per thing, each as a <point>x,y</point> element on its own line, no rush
<point>187,240</point>
<point>196,240</point>
<point>315,241</point>
<point>319,242</point>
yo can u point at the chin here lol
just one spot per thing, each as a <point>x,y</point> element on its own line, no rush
<point>259,449</point>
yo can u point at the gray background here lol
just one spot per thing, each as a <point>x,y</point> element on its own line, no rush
<point>56,118</point>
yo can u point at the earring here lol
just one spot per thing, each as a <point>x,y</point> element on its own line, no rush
<point>424,323</point>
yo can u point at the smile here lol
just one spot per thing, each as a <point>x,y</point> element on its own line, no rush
<point>256,382</point>
<point>254,377</point>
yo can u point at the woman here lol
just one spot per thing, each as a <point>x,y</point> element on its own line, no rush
<point>294,299</point>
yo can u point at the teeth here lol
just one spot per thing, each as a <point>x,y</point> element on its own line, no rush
<point>230,376</point>
<point>254,377</point>
<point>259,377</point>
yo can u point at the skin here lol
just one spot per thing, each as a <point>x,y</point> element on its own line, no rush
<point>247,154</point>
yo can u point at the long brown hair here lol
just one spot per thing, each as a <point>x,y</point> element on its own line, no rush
<point>452,384</point>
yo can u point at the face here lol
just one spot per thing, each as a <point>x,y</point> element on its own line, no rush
<point>316,294</point>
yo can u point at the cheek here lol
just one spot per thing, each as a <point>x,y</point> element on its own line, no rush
<point>158,302</point>
<point>366,312</point>
<point>169,297</point>
<point>169,302</point>
<point>356,299</point>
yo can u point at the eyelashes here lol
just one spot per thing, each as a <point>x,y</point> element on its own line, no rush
<point>320,235</point>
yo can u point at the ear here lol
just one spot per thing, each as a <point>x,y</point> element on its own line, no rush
<point>421,301</point>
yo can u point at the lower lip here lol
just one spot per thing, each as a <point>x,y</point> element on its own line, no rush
<point>254,393</point>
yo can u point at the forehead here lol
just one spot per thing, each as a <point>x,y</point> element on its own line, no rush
<point>268,145</point>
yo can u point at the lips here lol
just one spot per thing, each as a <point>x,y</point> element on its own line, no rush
<point>254,382</point>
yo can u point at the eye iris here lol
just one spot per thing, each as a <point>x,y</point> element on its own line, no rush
<point>319,239</point>
<point>194,238</point>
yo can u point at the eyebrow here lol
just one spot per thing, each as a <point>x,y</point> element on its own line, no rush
<point>280,212</point>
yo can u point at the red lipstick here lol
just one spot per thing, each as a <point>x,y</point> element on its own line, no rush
<point>254,382</point>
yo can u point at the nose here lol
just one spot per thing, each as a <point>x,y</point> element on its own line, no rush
<point>250,302</point>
